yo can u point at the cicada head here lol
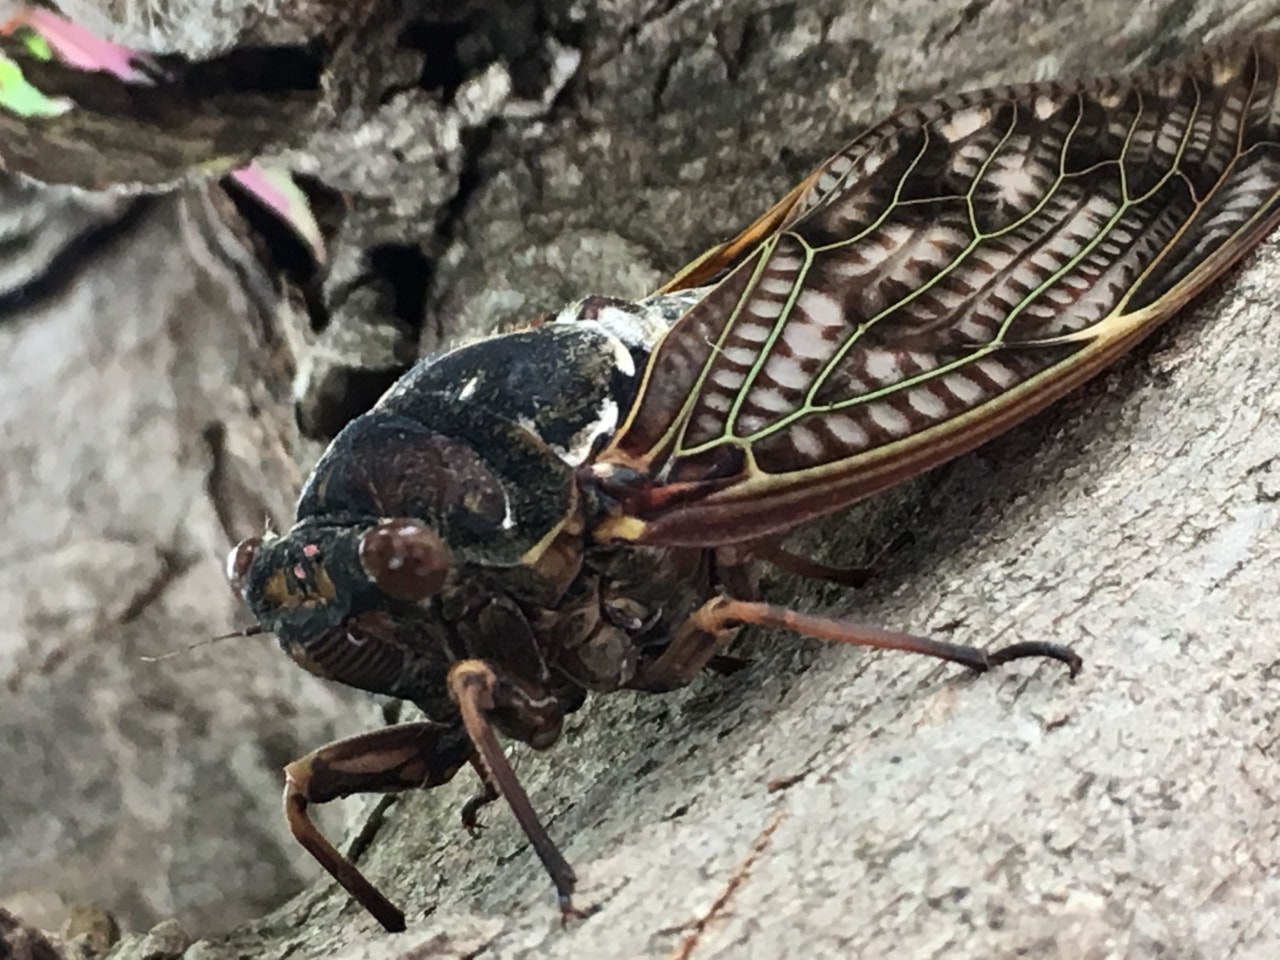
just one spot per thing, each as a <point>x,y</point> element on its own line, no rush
<point>427,494</point>
<point>318,576</point>
<point>345,601</point>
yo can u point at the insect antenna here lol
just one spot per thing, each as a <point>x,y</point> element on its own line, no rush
<point>250,631</point>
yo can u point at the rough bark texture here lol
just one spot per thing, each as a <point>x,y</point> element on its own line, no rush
<point>147,422</point>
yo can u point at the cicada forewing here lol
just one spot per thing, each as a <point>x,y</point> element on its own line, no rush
<point>948,274</point>
<point>723,257</point>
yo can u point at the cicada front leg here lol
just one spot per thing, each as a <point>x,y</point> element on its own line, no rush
<point>385,761</point>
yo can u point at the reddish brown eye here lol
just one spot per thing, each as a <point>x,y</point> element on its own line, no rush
<point>238,562</point>
<point>405,559</point>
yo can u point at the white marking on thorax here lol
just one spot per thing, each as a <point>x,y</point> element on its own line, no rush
<point>582,443</point>
<point>508,513</point>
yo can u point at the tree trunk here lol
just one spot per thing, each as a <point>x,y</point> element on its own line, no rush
<point>914,811</point>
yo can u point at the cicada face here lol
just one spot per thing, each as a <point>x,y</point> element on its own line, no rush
<point>345,601</point>
<point>287,583</point>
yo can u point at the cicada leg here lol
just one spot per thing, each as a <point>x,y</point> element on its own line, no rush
<point>772,551</point>
<point>487,794</point>
<point>385,761</point>
<point>484,698</point>
<point>726,613</point>
<point>699,642</point>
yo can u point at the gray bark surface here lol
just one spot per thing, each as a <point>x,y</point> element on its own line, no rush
<point>917,812</point>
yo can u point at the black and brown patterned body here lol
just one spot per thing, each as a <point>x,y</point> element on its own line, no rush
<point>574,507</point>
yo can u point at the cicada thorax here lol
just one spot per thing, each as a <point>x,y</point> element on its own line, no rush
<point>447,523</point>
<point>622,610</point>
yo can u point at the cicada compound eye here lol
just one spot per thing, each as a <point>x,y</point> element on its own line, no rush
<point>239,560</point>
<point>405,559</point>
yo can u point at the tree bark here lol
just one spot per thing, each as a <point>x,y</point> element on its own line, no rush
<point>913,811</point>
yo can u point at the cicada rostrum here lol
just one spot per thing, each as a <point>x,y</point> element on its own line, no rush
<point>577,507</point>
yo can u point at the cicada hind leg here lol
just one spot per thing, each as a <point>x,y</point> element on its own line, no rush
<point>702,639</point>
<point>772,552</point>
<point>713,625</point>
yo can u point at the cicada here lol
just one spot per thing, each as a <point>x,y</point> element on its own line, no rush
<point>578,506</point>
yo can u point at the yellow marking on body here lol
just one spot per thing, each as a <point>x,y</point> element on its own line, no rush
<point>571,523</point>
<point>619,528</point>
<point>276,589</point>
<point>316,590</point>
<point>324,588</point>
